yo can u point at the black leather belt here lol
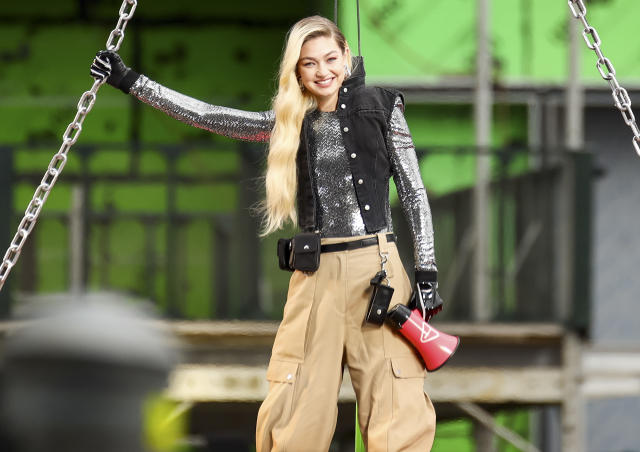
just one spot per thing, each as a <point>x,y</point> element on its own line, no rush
<point>355,244</point>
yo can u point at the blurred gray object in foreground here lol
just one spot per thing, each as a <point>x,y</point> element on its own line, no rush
<point>77,375</point>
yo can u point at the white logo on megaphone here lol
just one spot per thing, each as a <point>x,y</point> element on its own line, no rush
<point>427,334</point>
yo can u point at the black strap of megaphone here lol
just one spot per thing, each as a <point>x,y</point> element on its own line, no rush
<point>335,20</point>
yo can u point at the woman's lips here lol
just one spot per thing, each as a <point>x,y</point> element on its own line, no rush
<point>325,83</point>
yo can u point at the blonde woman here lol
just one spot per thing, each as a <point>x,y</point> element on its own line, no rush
<point>333,144</point>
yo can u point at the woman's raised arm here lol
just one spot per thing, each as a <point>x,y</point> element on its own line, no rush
<point>229,122</point>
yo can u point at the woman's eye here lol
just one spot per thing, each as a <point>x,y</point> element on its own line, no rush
<point>332,59</point>
<point>309,64</point>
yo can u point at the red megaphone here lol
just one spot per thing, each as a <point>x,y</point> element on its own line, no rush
<point>434,346</point>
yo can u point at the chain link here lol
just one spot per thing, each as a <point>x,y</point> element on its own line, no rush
<point>621,98</point>
<point>59,160</point>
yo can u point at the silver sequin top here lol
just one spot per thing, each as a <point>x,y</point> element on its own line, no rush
<point>338,210</point>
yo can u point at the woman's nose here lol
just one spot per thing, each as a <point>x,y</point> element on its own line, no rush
<point>321,69</point>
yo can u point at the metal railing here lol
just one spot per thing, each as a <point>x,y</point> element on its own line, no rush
<point>182,259</point>
<point>206,264</point>
<point>527,214</point>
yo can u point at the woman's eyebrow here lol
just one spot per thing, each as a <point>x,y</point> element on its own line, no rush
<point>325,55</point>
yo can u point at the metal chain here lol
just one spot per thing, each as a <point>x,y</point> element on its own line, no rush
<point>70,136</point>
<point>620,95</point>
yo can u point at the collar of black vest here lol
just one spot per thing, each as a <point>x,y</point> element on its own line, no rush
<point>357,73</point>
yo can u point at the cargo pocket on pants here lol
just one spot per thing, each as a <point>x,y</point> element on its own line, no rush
<point>408,382</point>
<point>408,367</point>
<point>413,418</point>
<point>282,376</point>
<point>275,412</point>
<point>408,388</point>
<point>282,371</point>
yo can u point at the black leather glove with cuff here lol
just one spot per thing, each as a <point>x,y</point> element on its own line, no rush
<point>107,65</point>
<point>425,297</point>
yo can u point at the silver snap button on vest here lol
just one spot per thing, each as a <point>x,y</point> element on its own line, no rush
<point>346,129</point>
<point>366,207</point>
<point>360,181</point>
<point>343,106</point>
<point>353,155</point>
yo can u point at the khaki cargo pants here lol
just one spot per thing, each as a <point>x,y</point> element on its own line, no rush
<point>323,329</point>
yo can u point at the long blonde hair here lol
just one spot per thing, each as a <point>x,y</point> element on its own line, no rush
<point>290,104</point>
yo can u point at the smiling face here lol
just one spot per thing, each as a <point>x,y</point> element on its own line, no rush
<point>321,70</point>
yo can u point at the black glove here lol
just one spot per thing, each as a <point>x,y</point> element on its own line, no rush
<point>426,299</point>
<point>107,65</point>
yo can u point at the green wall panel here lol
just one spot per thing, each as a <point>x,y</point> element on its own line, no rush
<point>206,162</point>
<point>44,75</point>
<point>207,198</point>
<point>47,8</point>
<point>254,10</point>
<point>422,40</point>
<point>197,270</point>
<point>35,161</point>
<point>152,162</point>
<point>110,161</point>
<point>58,200</point>
<point>451,126</point>
<point>126,260</point>
<point>129,197</point>
<point>217,65</point>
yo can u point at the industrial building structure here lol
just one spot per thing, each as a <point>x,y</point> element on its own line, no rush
<point>530,173</point>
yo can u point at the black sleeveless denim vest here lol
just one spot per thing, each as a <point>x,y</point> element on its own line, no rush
<point>364,113</point>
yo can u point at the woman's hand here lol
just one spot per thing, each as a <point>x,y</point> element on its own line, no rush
<point>425,296</point>
<point>108,66</point>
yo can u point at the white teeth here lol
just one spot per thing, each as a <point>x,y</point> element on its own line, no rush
<point>324,82</point>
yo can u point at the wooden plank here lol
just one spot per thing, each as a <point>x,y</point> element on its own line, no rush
<point>206,383</point>
<point>611,362</point>
<point>10,326</point>
<point>222,329</point>
<point>509,333</point>
<point>528,385</point>
<point>212,330</point>
<point>210,383</point>
<point>612,371</point>
<point>596,387</point>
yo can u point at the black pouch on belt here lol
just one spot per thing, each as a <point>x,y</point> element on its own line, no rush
<point>380,298</point>
<point>305,252</point>
<point>284,253</point>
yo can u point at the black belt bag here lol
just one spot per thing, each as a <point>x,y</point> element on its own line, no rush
<point>302,252</point>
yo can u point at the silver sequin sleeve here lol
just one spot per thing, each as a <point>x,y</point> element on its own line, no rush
<point>229,122</point>
<point>411,192</point>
